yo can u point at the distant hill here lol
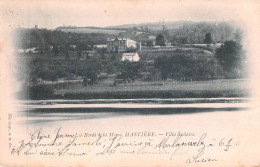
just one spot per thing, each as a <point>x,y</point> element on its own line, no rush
<point>179,32</point>
<point>111,31</point>
<point>155,26</point>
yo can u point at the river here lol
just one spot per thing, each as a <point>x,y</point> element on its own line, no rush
<point>44,112</point>
<point>221,119</point>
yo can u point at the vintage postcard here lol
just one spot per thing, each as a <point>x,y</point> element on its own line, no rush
<point>129,83</point>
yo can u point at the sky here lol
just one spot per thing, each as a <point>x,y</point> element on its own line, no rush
<point>102,13</point>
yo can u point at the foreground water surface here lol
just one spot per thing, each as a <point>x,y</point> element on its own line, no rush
<point>57,111</point>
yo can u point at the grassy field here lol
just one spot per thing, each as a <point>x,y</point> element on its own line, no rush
<point>156,89</point>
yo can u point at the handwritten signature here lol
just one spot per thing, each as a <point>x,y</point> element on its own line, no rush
<point>59,143</point>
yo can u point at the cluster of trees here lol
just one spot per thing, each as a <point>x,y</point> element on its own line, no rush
<point>196,36</point>
<point>232,58</point>
<point>228,62</point>
<point>208,39</point>
<point>191,33</point>
<point>43,38</point>
<point>130,70</point>
<point>178,67</point>
<point>160,40</point>
<point>187,67</point>
<point>39,92</point>
<point>53,69</point>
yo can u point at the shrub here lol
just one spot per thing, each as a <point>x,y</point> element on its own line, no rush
<point>40,91</point>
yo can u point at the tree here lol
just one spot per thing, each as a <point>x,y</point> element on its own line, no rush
<point>113,57</point>
<point>208,39</point>
<point>135,28</point>
<point>146,29</point>
<point>160,40</point>
<point>130,70</point>
<point>149,44</point>
<point>142,28</point>
<point>40,91</point>
<point>187,67</point>
<point>90,73</point>
<point>90,78</point>
<point>46,74</point>
<point>81,47</point>
<point>230,56</point>
<point>56,50</point>
<point>79,53</point>
<point>67,56</point>
<point>165,32</point>
<point>103,56</point>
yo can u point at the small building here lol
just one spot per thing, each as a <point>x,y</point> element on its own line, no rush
<point>31,50</point>
<point>152,37</point>
<point>88,53</point>
<point>132,57</point>
<point>73,46</point>
<point>120,44</point>
<point>100,46</point>
<point>168,44</point>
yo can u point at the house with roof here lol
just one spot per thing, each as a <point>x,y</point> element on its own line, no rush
<point>132,57</point>
<point>120,44</point>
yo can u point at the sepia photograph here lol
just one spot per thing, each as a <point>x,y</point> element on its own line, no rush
<point>129,83</point>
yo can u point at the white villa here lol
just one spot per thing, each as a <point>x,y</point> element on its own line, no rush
<point>120,44</point>
<point>133,57</point>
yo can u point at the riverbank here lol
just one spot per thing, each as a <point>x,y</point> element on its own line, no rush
<point>153,94</point>
<point>141,89</point>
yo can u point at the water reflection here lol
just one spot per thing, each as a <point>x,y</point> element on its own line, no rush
<point>45,114</point>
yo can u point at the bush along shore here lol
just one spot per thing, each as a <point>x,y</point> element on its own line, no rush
<point>195,89</point>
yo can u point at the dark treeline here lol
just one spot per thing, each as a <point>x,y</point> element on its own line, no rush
<point>188,67</point>
<point>194,33</point>
<point>53,69</point>
<point>43,38</point>
<point>177,67</point>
